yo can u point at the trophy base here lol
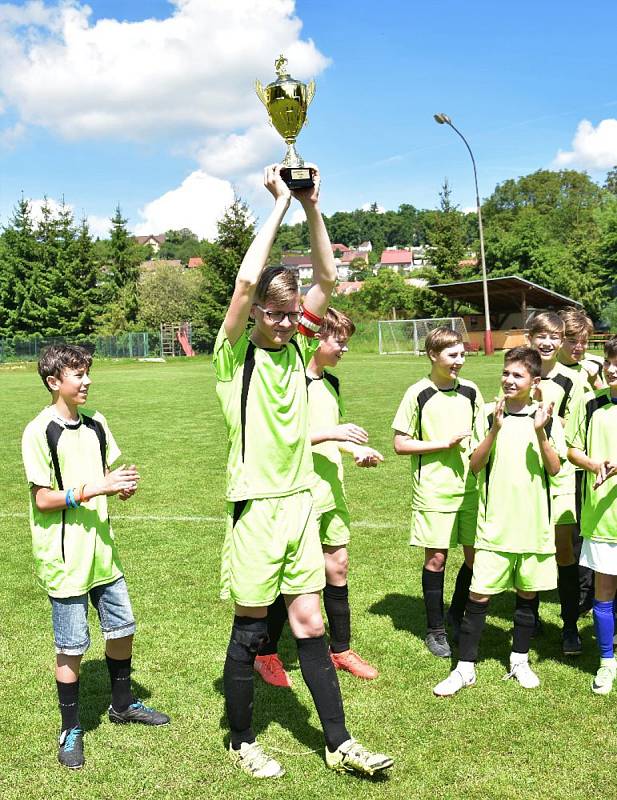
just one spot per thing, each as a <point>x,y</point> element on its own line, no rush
<point>298,177</point>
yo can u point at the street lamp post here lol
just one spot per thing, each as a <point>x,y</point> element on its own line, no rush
<point>444,119</point>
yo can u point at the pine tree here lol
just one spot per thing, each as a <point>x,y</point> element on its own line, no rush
<point>124,257</point>
<point>448,240</point>
<point>21,271</point>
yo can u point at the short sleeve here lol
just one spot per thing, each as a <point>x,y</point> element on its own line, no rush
<point>36,457</point>
<point>575,426</point>
<point>227,357</point>
<point>406,417</point>
<point>558,439</point>
<point>113,451</point>
<point>481,425</point>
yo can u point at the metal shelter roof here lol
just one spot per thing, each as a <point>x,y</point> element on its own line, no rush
<point>505,295</point>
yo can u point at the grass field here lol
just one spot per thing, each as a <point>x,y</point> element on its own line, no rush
<point>495,741</point>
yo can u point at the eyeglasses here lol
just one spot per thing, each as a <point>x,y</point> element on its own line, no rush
<point>279,316</point>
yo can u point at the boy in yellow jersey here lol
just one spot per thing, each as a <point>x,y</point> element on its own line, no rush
<point>564,389</point>
<point>517,445</point>
<point>272,539</point>
<point>67,453</point>
<point>574,356</point>
<point>329,437</point>
<point>592,438</point>
<point>433,425</point>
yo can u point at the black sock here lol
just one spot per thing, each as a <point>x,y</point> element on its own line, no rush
<point>68,703</point>
<point>336,603</point>
<point>524,622</point>
<point>461,592</point>
<point>120,677</point>
<point>568,595</point>
<point>277,617</point>
<point>247,634</point>
<point>471,630</point>
<point>535,607</point>
<point>432,589</point>
<point>320,676</point>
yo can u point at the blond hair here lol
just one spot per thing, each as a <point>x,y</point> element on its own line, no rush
<point>277,285</point>
<point>577,323</point>
<point>440,338</point>
<point>335,323</point>
<point>547,321</point>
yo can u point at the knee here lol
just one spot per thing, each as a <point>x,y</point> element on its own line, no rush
<point>435,560</point>
<point>564,554</point>
<point>337,565</point>
<point>309,625</point>
<point>247,636</point>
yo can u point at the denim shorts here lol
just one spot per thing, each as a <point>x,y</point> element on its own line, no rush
<point>70,617</point>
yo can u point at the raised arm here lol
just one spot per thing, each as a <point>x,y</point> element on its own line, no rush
<point>256,256</point>
<point>322,257</point>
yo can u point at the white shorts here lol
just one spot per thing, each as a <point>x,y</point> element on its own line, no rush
<point>599,556</point>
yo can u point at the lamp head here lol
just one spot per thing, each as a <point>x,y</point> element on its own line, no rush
<point>442,119</point>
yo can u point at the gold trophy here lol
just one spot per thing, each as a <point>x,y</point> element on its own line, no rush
<point>287,101</point>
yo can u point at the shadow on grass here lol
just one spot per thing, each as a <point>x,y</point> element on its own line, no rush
<point>95,693</point>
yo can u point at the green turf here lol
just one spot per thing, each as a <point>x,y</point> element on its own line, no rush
<point>496,740</point>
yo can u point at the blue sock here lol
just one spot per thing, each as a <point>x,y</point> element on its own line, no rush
<point>604,623</point>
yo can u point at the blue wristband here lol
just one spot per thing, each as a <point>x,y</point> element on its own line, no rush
<point>70,499</point>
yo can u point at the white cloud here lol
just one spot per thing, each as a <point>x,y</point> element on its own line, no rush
<point>9,137</point>
<point>367,207</point>
<point>99,227</point>
<point>191,72</point>
<point>196,204</point>
<point>55,206</point>
<point>592,148</point>
<point>233,154</point>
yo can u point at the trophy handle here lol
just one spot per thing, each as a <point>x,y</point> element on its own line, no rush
<point>310,93</point>
<point>260,92</point>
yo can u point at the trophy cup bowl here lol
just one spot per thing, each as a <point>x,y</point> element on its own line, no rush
<point>287,100</point>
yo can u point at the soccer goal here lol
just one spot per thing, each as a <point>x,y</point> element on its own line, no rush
<point>408,335</point>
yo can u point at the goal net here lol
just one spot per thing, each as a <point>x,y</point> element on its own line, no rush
<point>408,335</point>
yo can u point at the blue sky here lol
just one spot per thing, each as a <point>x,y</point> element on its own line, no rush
<point>150,104</point>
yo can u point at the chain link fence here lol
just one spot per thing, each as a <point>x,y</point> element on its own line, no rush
<point>126,345</point>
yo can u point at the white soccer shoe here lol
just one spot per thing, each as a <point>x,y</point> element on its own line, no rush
<point>522,672</point>
<point>455,681</point>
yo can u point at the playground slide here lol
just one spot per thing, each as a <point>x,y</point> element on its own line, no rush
<point>184,343</point>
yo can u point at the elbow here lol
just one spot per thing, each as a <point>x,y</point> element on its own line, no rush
<point>554,469</point>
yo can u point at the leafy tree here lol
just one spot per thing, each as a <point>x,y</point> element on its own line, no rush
<point>168,294</point>
<point>611,180</point>
<point>448,239</point>
<point>222,261</point>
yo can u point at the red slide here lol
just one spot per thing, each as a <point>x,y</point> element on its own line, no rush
<point>184,342</point>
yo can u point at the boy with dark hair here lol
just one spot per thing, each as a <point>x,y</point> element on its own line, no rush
<point>329,437</point>
<point>272,541</point>
<point>561,387</point>
<point>66,453</point>
<point>516,446</point>
<point>592,439</point>
<point>433,425</point>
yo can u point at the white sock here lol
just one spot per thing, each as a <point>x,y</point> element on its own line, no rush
<point>609,662</point>
<point>518,658</point>
<point>466,668</point>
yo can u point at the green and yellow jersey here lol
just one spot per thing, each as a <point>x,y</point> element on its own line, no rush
<point>73,548</point>
<point>325,411</point>
<point>441,481</point>
<point>593,429</point>
<point>263,396</point>
<point>514,514</point>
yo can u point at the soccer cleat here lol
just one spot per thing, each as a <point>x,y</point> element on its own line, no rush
<point>455,681</point>
<point>138,712</point>
<point>437,644</point>
<point>71,750</point>
<point>351,756</point>
<point>252,759</point>
<point>603,682</point>
<point>571,642</point>
<point>455,624</point>
<point>523,674</point>
<point>272,671</point>
<point>349,660</point>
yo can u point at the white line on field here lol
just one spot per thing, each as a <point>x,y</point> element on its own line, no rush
<point>360,523</point>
